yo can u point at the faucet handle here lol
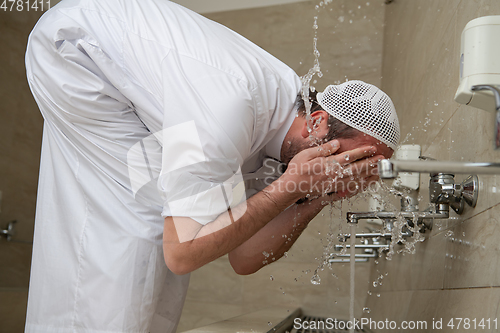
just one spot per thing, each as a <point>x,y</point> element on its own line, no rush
<point>9,231</point>
<point>444,190</point>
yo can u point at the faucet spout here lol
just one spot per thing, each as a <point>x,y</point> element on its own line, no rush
<point>355,217</point>
<point>496,93</point>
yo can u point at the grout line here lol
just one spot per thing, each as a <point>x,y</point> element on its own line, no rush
<point>443,128</point>
<point>18,289</point>
<point>487,209</point>
<point>439,289</point>
<point>463,221</point>
<point>436,52</point>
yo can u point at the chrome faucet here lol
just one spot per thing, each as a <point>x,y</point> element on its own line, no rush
<point>443,194</point>
<point>9,231</point>
<point>496,93</point>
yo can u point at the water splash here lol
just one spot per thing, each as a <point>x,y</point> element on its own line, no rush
<point>306,83</point>
<point>352,266</point>
<point>315,278</point>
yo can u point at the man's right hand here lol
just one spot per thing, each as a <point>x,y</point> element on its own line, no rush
<point>319,171</point>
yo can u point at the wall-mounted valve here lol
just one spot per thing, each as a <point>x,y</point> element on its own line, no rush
<point>9,231</point>
<point>443,193</point>
<point>444,190</point>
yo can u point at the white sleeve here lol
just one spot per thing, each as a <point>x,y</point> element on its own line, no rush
<point>207,132</point>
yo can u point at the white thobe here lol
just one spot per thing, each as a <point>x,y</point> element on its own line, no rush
<point>150,110</point>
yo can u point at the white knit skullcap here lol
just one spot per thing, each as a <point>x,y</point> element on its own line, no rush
<point>364,107</point>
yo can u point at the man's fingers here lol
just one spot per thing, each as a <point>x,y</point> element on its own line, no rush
<point>364,167</point>
<point>355,154</point>
<point>324,150</point>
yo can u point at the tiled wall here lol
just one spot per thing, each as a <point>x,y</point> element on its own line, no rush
<point>350,44</point>
<point>455,272</point>
<point>20,138</point>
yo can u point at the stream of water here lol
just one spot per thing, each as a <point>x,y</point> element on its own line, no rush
<point>352,275</point>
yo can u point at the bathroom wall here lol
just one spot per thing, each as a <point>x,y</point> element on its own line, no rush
<point>350,44</point>
<point>20,137</point>
<point>455,272</point>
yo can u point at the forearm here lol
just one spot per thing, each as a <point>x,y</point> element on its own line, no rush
<point>207,243</point>
<point>275,238</point>
<point>188,245</point>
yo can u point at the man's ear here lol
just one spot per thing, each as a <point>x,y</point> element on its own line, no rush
<point>318,124</point>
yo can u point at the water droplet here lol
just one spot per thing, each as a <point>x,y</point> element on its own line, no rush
<point>375,284</point>
<point>269,323</point>
<point>346,157</point>
<point>366,310</point>
<point>316,279</point>
<point>378,295</point>
<point>272,278</point>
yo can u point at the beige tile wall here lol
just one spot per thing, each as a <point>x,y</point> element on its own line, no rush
<point>20,137</point>
<point>350,43</point>
<point>454,272</point>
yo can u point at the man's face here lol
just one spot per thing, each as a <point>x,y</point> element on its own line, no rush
<point>364,140</point>
<point>296,146</point>
<point>298,138</point>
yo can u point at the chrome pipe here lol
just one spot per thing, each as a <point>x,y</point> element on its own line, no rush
<point>362,246</point>
<point>335,260</point>
<point>360,255</point>
<point>371,235</point>
<point>389,169</point>
<point>375,235</point>
<point>394,215</point>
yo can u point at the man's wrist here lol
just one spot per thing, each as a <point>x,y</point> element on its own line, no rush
<point>283,192</point>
